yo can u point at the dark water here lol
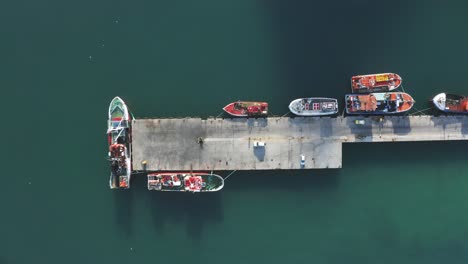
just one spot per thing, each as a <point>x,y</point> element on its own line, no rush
<point>63,61</point>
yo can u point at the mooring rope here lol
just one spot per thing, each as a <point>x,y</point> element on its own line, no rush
<point>342,112</point>
<point>422,110</point>
<point>403,89</point>
<point>220,114</point>
<point>230,174</point>
<point>414,108</point>
<point>286,114</point>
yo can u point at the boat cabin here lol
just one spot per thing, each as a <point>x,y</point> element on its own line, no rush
<point>194,183</point>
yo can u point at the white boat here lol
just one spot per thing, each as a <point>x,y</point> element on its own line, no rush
<point>451,103</point>
<point>119,139</point>
<point>314,106</point>
<point>185,182</point>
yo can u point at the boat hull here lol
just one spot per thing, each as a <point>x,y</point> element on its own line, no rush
<point>119,140</point>
<point>314,106</point>
<point>451,103</point>
<point>247,109</point>
<point>180,182</point>
<point>371,83</point>
<point>378,103</point>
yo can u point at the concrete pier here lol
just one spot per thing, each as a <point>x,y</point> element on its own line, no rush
<point>228,144</point>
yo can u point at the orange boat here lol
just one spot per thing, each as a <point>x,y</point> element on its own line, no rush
<point>245,109</point>
<point>381,82</point>
<point>378,103</point>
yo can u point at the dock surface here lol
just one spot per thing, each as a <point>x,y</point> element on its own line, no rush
<point>228,144</point>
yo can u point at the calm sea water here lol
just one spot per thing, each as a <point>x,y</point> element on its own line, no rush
<point>63,61</point>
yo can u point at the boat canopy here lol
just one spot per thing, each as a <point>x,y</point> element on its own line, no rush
<point>367,102</point>
<point>193,183</point>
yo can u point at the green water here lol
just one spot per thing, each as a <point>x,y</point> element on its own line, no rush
<point>63,61</point>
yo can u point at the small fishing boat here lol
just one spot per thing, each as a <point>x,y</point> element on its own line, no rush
<point>185,182</point>
<point>381,82</point>
<point>451,103</point>
<point>314,106</point>
<point>119,139</point>
<point>378,103</point>
<point>246,109</point>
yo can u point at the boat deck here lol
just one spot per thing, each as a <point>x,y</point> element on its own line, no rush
<point>228,144</point>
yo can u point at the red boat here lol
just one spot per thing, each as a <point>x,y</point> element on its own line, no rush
<point>245,109</point>
<point>381,82</point>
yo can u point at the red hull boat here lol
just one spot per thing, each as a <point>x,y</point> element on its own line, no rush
<point>381,82</point>
<point>245,109</point>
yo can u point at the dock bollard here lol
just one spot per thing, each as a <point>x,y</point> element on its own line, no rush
<point>200,141</point>
<point>144,164</point>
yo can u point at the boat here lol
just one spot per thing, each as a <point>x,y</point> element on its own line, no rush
<point>119,139</point>
<point>185,182</point>
<point>314,106</point>
<point>380,82</point>
<point>378,103</point>
<point>451,103</point>
<point>246,109</point>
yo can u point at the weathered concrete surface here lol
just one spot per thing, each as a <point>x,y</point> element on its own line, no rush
<point>171,144</point>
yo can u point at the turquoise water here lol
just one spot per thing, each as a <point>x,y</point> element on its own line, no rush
<point>63,61</point>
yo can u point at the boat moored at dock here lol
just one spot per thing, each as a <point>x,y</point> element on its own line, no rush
<point>380,82</point>
<point>378,103</point>
<point>185,182</point>
<point>246,109</point>
<point>119,139</point>
<point>314,106</point>
<point>451,103</point>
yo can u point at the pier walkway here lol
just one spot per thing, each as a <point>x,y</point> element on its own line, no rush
<point>228,144</point>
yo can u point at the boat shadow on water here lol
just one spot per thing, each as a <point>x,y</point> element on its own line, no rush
<point>195,210</point>
<point>124,203</point>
